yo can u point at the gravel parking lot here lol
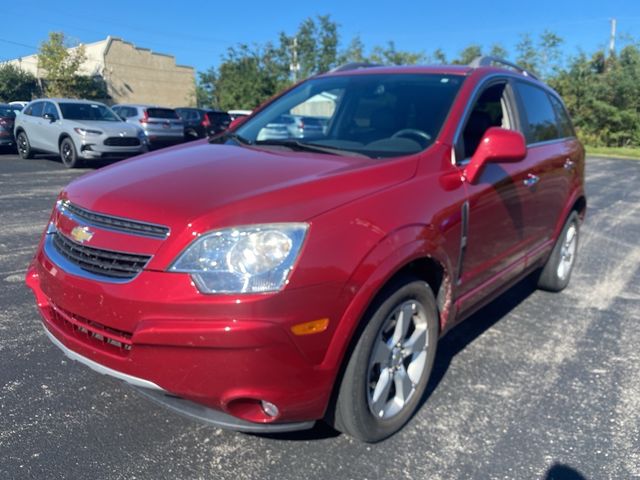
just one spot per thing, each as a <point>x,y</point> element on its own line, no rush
<point>536,385</point>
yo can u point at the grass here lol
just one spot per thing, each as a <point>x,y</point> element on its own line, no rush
<point>620,152</point>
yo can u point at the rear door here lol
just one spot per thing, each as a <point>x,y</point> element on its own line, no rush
<point>50,129</point>
<point>553,153</point>
<point>32,124</point>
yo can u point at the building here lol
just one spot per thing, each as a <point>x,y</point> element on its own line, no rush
<point>131,74</point>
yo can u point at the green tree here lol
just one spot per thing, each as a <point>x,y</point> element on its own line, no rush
<point>498,51</point>
<point>439,56</point>
<point>16,84</point>
<point>247,77</point>
<point>205,89</point>
<point>61,65</point>
<point>314,47</point>
<point>527,56</point>
<point>468,54</point>
<point>549,54</point>
<point>389,55</point>
<point>354,52</point>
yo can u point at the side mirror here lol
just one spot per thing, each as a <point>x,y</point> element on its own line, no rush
<point>49,116</point>
<point>498,145</point>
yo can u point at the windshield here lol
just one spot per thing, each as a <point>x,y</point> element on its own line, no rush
<point>88,111</point>
<point>378,115</point>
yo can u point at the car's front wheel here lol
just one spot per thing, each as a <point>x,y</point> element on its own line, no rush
<point>556,273</point>
<point>68,154</point>
<point>24,147</point>
<point>388,370</point>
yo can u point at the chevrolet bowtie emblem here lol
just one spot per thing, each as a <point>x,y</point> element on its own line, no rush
<point>81,234</point>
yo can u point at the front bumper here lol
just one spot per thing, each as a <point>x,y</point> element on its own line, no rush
<point>220,357</point>
<point>94,151</point>
<point>179,405</point>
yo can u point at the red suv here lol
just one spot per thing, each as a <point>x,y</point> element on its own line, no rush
<point>262,284</point>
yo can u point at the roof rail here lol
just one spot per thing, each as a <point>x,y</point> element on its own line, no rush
<point>353,66</point>
<point>486,61</point>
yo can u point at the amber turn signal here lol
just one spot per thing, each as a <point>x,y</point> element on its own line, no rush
<point>308,328</point>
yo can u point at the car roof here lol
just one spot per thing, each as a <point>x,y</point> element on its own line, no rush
<point>142,105</point>
<point>481,67</point>
<point>68,100</point>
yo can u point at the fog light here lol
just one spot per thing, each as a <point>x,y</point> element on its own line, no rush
<point>269,408</point>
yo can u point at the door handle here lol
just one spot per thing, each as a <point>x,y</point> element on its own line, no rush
<point>531,180</point>
<point>569,164</point>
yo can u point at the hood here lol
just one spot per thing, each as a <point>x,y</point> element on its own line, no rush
<point>200,186</point>
<point>109,128</point>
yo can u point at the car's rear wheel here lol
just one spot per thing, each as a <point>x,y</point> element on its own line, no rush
<point>24,147</point>
<point>556,273</point>
<point>68,154</point>
<point>388,370</point>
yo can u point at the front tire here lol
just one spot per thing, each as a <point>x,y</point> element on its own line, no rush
<point>390,366</point>
<point>556,273</point>
<point>24,147</point>
<point>68,154</point>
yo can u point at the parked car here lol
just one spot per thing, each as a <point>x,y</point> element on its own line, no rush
<point>200,122</point>
<point>161,125</point>
<point>78,130</point>
<point>292,126</point>
<point>19,103</point>
<point>262,285</point>
<point>7,117</point>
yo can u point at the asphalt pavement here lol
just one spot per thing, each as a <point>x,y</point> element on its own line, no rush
<point>535,386</point>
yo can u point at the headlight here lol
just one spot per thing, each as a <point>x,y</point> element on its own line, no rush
<point>251,259</point>
<point>86,131</point>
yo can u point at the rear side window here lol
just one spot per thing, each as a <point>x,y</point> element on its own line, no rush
<point>7,112</point>
<point>162,113</point>
<point>564,122</point>
<point>540,117</point>
<point>219,117</point>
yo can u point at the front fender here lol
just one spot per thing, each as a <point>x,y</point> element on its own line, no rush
<point>387,258</point>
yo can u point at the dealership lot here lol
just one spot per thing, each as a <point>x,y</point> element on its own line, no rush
<point>533,382</point>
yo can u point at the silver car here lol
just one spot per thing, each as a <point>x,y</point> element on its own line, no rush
<point>162,126</point>
<point>78,130</point>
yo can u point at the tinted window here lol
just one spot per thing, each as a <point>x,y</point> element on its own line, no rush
<point>540,116</point>
<point>564,122</point>
<point>87,111</point>
<point>7,112</point>
<point>219,117</point>
<point>35,109</point>
<point>162,113</point>
<point>50,108</point>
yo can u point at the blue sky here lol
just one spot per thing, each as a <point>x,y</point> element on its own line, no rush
<point>198,33</point>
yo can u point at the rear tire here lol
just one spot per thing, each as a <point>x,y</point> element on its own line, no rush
<point>556,273</point>
<point>390,366</point>
<point>24,147</point>
<point>68,154</point>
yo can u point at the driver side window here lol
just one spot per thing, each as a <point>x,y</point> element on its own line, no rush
<point>491,109</point>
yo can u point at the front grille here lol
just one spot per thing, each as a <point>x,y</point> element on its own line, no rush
<point>101,262</point>
<point>122,141</point>
<point>115,223</point>
<point>93,333</point>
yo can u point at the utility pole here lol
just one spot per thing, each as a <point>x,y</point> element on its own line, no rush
<point>294,66</point>
<point>612,38</point>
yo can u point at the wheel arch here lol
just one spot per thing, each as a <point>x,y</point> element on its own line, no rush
<point>419,259</point>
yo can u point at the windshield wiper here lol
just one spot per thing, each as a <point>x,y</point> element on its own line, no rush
<point>309,147</point>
